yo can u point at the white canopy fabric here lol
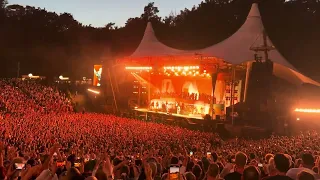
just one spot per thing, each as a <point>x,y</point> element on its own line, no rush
<point>150,46</point>
<point>250,35</point>
<point>236,49</point>
<point>292,76</point>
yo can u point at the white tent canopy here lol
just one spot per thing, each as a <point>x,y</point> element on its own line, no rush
<point>249,35</point>
<point>236,49</point>
<point>292,76</point>
<point>150,46</point>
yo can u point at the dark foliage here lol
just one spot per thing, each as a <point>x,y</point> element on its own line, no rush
<point>49,44</point>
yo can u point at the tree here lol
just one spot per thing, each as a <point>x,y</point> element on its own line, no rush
<point>110,26</point>
<point>66,21</point>
<point>3,4</point>
<point>170,20</point>
<point>40,39</point>
<point>150,12</point>
<point>15,10</point>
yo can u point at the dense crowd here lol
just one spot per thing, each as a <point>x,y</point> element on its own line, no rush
<point>18,96</point>
<point>48,97</point>
<point>41,138</point>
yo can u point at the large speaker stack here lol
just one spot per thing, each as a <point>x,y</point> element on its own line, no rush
<point>259,94</point>
<point>260,85</point>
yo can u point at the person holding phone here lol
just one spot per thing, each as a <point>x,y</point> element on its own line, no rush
<point>174,173</point>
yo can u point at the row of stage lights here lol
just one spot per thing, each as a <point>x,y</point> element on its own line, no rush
<point>176,70</point>
<point>138,68</point>
<point>180,68</point>
<point>185,71</point>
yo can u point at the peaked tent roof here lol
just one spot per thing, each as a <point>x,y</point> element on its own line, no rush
<point>151,46</point>
<point>250,35</point>
<point>235,49</point>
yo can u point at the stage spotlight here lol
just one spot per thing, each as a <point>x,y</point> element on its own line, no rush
<point>93,91</point>
<point>307,110</point>
<point>298,119</point>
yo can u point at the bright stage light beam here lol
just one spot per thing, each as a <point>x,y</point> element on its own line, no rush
<point>307,110</point>
<point>93,91</point>
<point>63,78</point>
<point>138,68</point>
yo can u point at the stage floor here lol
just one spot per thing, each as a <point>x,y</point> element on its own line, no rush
<point>176,115</point>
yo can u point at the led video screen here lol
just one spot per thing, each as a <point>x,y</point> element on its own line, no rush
<point>97,73</point>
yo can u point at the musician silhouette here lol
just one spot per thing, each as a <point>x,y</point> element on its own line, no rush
<point>167,86</point>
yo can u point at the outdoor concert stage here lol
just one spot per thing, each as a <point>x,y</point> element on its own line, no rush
<point>144,110</point>
<point>245,68</point>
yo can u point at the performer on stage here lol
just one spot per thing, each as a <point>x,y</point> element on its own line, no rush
<point>178,110</point>
<point>163,107</point>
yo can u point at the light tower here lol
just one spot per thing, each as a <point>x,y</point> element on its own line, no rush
<point>265,48</point>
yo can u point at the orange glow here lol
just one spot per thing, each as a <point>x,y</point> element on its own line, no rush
<point>307,110</point>
<point>138,68</point>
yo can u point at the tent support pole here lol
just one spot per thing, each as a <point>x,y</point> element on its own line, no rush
<point>249,65</point>
<point>265,44</point>
<point>114,96</point>
<point>149,90</point>
<point>214,77</point>
<point>149,86</point>
<point>117,84</point>
<point>232,93</point>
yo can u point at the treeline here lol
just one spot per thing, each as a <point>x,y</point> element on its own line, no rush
<point>50,44</point>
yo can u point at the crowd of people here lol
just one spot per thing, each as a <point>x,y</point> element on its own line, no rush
<point>41,138</point>
<point>47,96</point>
<point>22,97</point>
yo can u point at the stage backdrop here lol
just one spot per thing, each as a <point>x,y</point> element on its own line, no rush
<point>190,84</point>
<point>179,84</point>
